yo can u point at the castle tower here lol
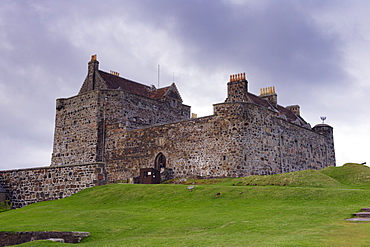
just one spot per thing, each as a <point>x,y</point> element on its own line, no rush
<point>80,122</point>
<point>324,129</point>
<point>106,99</point>
<point>327,131</point>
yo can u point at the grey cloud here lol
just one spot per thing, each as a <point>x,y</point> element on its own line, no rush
<point>282,38</point>
<point>45,46</point>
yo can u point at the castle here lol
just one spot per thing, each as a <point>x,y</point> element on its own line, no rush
<point>114,128</point>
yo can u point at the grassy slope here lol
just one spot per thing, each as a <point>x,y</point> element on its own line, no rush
<point>169,215</point>
<point>355,175</point>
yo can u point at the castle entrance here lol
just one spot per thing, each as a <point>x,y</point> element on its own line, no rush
<point>153,175</point>
<point>160,162</point>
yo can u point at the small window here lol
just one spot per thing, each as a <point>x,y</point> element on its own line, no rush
<point>173,103</point>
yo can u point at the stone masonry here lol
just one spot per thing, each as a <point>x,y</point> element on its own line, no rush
<point>251,140</point>
<point>26,186</point>
<point>81,120</point>
<point>114,127</point>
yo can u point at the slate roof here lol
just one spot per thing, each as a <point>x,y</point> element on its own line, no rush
<point>290,116</point>
<point>260,101</point>
<point>116,82</point>
<point>159,93</point>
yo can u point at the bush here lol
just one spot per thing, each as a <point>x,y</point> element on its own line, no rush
<point>5,205</point>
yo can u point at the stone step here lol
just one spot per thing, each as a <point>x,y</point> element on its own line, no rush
<point>362,214</point>
<point>365,209</point>
<point>358,219</point>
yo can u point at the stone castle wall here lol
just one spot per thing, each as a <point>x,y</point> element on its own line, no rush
<point>241,139</point>
<point>80,122</point>
<point>26,186</point>
<point>76,130</point>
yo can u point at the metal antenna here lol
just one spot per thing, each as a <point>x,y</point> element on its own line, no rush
<point>323,118</point>
<point>173,77</point>
<point>158,75</point>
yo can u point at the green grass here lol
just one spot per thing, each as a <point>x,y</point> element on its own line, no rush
<point>355,175</point>
<point>308,209</point>
<point>308,178</point>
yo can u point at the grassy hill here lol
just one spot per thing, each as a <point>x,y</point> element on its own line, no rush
<point>355,175</point>
<point>305,208</point>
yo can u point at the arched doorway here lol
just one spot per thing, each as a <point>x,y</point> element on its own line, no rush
<point>160,162</point>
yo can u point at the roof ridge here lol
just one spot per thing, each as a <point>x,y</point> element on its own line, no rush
<point>122,78</point>
<point>113,81</point>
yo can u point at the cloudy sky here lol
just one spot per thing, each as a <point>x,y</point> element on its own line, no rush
<point>316,54</point>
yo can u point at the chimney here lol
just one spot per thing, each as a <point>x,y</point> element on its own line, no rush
<point>93,64</point>
<point>295,109</point>
<point>114,73</point>
<point>90,80</point>
<point>237,88</point>
<point>92,67</point>
<point>269,94</point>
